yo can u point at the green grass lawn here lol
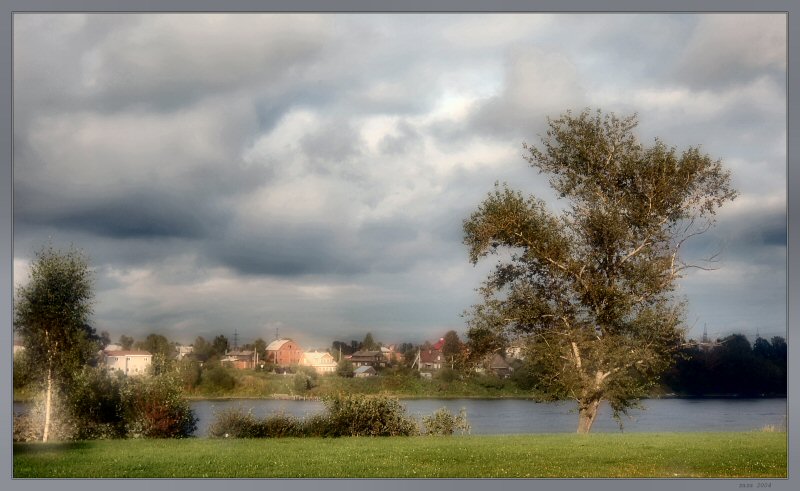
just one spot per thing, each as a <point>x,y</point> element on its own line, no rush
<point>638,455</point>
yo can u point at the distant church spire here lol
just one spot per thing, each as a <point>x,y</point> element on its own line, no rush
<point>705,333</point>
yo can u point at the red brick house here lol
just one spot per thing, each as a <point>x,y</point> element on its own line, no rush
<point>284,353</point>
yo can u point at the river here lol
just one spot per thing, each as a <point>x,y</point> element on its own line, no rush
<point>506,416</point>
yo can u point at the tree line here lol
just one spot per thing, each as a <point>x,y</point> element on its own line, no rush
<point>731,367</point>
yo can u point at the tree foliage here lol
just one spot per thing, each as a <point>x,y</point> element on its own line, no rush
<point>51,314</point>
<point>126,342</point>
<point>731,368</point>
<point>344,368</point>
<point>453,350</point>
<point>589,291</point>
<point>369,344</point>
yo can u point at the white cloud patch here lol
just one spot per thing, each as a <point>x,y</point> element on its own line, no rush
<point>725,47</point>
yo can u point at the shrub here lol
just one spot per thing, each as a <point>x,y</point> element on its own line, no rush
<point>282,425</point>
<point>490,381</point>
<point>447,375</point>
<point>155,408</point>
<point>189,372</point>
<point>217,378</point>
<point>345,368</point>
<point>234,423</point>
<point>304,381</point>
<point>95,405</point>
<point>29,427</point>
<point>356,415</point>
<point>442,422</point>
<point>317,425</point>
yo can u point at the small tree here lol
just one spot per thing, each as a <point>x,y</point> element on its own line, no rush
<point>126,342</point>
<point>369,344</point>
<point>345,368</point>
<point>220,345</point>
<point>453,350</point>
<point>51,314</point>
<point>260,347</point>
<point>589,291</point>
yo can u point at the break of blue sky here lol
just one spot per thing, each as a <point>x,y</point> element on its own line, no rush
<point>311,172</point>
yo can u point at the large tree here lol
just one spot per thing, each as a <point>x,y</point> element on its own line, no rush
<point>51,313</point>
<point>590,290</point>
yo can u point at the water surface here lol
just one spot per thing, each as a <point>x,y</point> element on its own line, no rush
<point>504,416</point>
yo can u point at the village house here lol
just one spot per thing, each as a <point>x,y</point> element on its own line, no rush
<point>499,366</point>
<point>391,354</point>
<point>284,353</point>
<point>368,358</point>
<point>242,360</point>
<point>431,359</point>
<point>128,362</point>
<point>182,351</point>
<point>321,361</point>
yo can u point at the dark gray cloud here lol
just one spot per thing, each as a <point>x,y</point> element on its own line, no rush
<point>312,172</point>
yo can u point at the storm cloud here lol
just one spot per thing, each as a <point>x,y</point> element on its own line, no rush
<point>311,172</point>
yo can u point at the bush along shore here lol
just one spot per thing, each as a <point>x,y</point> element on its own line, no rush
<point>346,415</point>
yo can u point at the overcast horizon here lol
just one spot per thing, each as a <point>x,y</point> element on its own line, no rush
<point>311,172</point>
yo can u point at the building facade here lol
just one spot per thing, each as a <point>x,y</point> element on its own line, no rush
<point>240,359</point>
<point>368,358</point>
<point>128,362</point>
<point>320,361</point>
<point>284,353</point>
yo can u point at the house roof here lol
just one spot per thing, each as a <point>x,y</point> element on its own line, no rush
<point>439,344</point>
<point>367,354</point>
<point>277,344</point>
<point>127,353</point>
<point>364,369</point>
<point>239,354</point>
<point>430,355</point>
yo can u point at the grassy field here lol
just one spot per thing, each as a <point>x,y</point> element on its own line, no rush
<point>632,455</point>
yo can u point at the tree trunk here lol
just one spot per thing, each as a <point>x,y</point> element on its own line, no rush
<point>47,405</point>
<point>587,411</point>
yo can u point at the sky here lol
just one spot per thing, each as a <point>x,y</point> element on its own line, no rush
<point>309,174</point>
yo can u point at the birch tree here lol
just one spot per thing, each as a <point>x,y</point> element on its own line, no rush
<point>50,315</point>
<point>589,291</point>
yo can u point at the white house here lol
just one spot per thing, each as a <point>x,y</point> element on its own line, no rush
<point>129,362</point>
<point>321,361</point>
